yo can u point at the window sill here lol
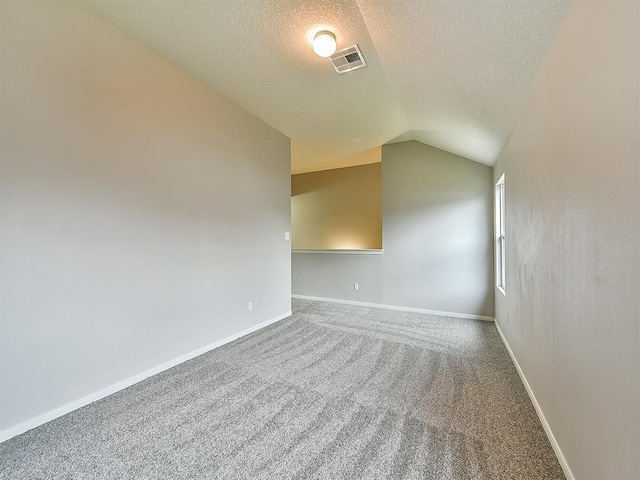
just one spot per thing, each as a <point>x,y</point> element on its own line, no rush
<point>371,251</point>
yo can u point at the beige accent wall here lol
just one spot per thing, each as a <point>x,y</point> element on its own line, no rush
<point>140,211</point>
<point>307,158</point>
<point>572,307</point>
<point>337,209</point>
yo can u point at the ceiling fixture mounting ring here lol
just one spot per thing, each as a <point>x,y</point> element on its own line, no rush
<point>324,43</point>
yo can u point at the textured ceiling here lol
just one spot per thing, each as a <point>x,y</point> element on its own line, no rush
<point>449,73</point>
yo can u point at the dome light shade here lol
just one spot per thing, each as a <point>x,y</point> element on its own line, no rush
<point>324,43</point>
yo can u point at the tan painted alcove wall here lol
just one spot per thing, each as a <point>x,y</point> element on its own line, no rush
<point>337,209</point>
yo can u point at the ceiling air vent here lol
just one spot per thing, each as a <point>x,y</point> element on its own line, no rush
<point>348,60</point>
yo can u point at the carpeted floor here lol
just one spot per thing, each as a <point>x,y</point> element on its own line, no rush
<point>334,392</point>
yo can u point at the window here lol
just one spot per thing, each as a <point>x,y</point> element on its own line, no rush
<point>500,231</point>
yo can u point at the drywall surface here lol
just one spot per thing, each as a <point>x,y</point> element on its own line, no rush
<point>437,239</point>
<point>140,211</point>
<point>307,158</point>
<point>437,220</point>
<point>337,209</point>
<point>571,312</point>
<point>333,276</point>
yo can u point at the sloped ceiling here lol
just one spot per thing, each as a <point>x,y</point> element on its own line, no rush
<point>449,73</point>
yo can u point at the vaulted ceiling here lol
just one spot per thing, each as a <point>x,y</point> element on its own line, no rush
<point>449,73</point>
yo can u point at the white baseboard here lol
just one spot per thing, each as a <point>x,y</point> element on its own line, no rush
<point>368,251</point>
<point>395,307</point>
<point>536,405</point>
<point>86,400</point>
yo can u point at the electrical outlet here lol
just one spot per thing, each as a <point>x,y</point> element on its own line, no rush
<point>356,286</point>
<point>287,236</point>
<point>250,306</point>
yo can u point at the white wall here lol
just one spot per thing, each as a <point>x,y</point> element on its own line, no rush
<point>436,234</point>
<point>140,211</point>
<point>572,311</point>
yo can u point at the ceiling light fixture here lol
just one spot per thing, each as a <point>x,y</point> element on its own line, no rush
<point>324,43</point>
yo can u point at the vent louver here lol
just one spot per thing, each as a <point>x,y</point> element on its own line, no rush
<point>348,60</point>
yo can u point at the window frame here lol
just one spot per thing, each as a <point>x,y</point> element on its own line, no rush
<point>500,235</point>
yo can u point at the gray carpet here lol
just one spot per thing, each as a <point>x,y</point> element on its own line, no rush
<point>334,392</point>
